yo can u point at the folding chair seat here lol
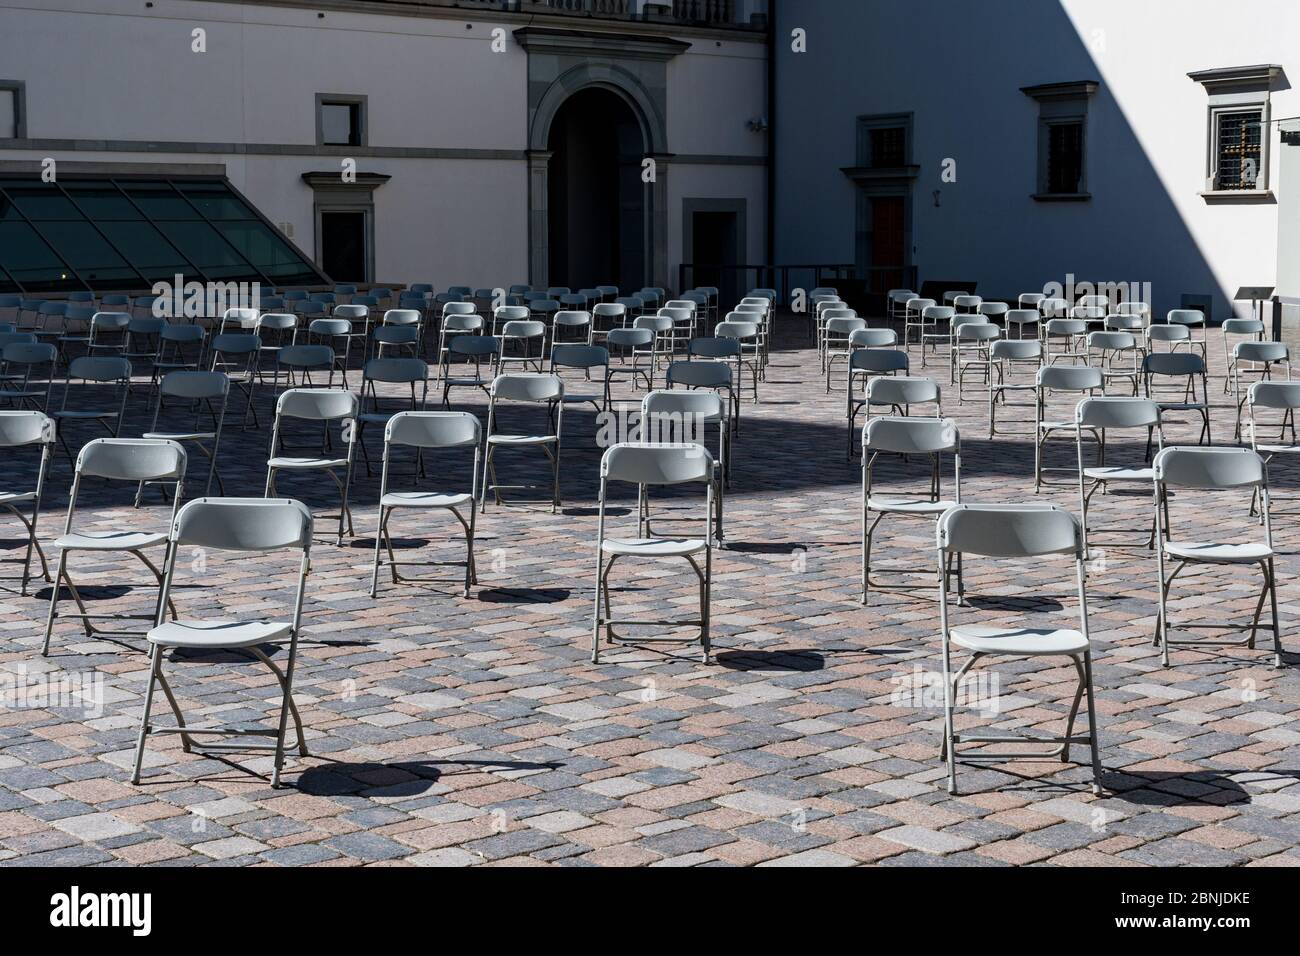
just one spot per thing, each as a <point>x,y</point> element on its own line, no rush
<point>1188,367</point>
<point>358,319</point>
<point>1005,355</point>
<point>1250,330</point>
<point>929,438</point>
<point>1281,397</point>
<point>1079,380</point>
<point>94,372</point>
<point>1065,339</point>
<point>936,328</point>
<point>838,344</point>
<point>606,316</point>
<point>717,375</point>
<point>235,526</point>
<point>1260,357</point>
<point>21,430</point>
<point>583,358</point>
<point>1190,319</point>
<point>1019,318</point>
<point>466,349</point>
<point>866,363</point>
<point>913,318</point>
<point>326,406</point>
<point>427,432</point>
<point>1006,532</point>
<point>682,417</point>
<point>638,343</point>
<point>575,325</point>
<point>648,466</point>
<point>335,334</point>
<point>29,372</point>
<point>972,339</point>
<point>509,313</point>
<point>533,389</point>
<point>1101,416</point>
<point>410,372</point>
<point>1190,470</point>
<point>522,335</point>
<point>205,392</point>
<point>238,320</point>
<point>746,336</point>
<point>174,342</point>
<point>1108,351</point>
<point>114,459</point>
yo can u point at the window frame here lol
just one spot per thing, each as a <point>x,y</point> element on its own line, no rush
<point>1241,89</point>
<point>343,99</point>
<point>19,90</point>
<point>1060,104</point>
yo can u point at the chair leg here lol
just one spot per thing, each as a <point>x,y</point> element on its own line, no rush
<point>1092,724</point>
<point>59,574</point>
<point>1272,596</point>
<point>374,571</point>
<point>154,664</point>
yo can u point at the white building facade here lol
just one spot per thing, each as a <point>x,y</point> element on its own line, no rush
<point>402,142</point>
<point>1016,143</point>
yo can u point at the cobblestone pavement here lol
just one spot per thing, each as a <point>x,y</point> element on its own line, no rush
<point>475,731</point>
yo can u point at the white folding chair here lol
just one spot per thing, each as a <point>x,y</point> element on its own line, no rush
<point>1005,532</point>
<point>202,391</point>
<point>1217,470</point>
<point>1186,367</point>
<point>929,438</point>
<point>864,364</point>
<point>237,526</point>
<point>647,466</point>
<point>22,429</point>
<point>114,459</point>
<point>326,406</point>
<point>1052,379</point>
<point>533,389</point>
<point>1261,358</point>
<point>427,432</point>
<point>1100,416</point>
<point>1005,355</point>
<point>681,417</point>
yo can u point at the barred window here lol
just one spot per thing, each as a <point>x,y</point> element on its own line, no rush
<point>1238,150</point>
<point>888,147</point>
<point>1064,158</point>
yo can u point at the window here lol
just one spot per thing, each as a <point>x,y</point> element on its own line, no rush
<point>884,141</point>
<point>888,147</point>
<point>13,121</point>
<point>1237,144</point>
<point>1065,157</point>
<point>1062,168</point>
<point>1237,149</point>
<point>340,120</point>
<point>123,234</point>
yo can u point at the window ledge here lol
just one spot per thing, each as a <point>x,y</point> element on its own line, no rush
<point>1237,197</point>
<point>1061,197</point>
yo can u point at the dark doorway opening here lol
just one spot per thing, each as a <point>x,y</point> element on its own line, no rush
<point>888,228</point>
<point>343,245</point>
<point>715,242</point>
<point>596,198</point>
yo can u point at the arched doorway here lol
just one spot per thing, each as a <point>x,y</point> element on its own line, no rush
<point>596,201</point>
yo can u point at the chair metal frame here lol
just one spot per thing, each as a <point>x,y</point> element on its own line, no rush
<point>296,403</point>
<point>115,459</point>
<point>523,388</point>
<point>1213,469</point>
<point>1014,531</point>
<point>21,429</point>
<point>657,465</point>
<point>411,430</point>
<point>222,524</point>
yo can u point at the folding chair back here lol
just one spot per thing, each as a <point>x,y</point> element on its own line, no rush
<point>21,427</point>
<point>198,386</point>
<point>317,404</point>
<point>873,338</point>
<point>527,387</point>
<point>1278,395</point>
<point>1069,378</point>
<point>656,464</point>
<point>700,375</point>
<point>1212,469</point>
<point>579,356</point>
<point>911,436</point>
<point>244,524</point>
<point>879,361</point>
<point>1109,412</point>
<point>131,459</point>
<point>1010,531</point>
<point>902,391</point>
<point>433,429</point>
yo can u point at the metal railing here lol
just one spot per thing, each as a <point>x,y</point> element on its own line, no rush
<point>727,14</point>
